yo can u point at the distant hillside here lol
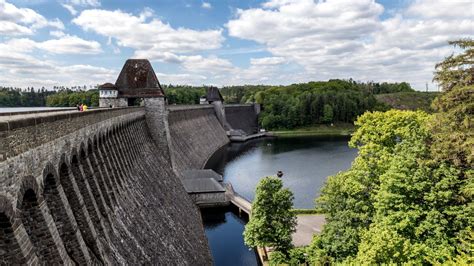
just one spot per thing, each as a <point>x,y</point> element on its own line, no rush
<point>414,100</point>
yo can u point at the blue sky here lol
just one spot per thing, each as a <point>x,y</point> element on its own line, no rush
<point>85,42</point>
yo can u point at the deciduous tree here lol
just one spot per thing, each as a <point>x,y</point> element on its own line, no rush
<point>272,222</point>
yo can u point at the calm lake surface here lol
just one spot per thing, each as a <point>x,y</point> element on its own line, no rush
<point>306,163</point>
<point>224,229</point>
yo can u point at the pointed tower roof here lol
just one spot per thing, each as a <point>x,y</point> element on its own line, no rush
<point>107,86</point>
<point>213,94</point>
<point>138,80</point>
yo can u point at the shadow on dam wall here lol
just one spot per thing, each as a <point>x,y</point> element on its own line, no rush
<point>96,188</point>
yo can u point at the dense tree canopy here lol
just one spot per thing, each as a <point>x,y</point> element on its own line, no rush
<point>395,204</point>
<point>453,126</point>
<point>457,70</point>
<point>70,98</point>
<point>313,103</point>
<point>252,93</point>
<point>184,94</point>
<point>15,97</point>
<point>407,197</point>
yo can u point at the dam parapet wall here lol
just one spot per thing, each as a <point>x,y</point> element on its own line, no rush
<point>22,132</point>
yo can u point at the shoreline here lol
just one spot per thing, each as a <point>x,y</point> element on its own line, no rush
<point>317,130</point>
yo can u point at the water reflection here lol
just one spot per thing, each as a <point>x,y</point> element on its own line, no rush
<point>224,228</point>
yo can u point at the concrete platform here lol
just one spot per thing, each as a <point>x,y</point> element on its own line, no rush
<point>249,137</point>
<point>308,225</point>
<point>202,173</point>
<point>202,185</point>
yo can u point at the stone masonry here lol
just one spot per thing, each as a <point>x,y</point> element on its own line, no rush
<point>93,188</point>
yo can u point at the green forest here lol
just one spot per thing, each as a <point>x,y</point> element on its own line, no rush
<point>70,98</point>
<point>246,93</point>
<point>16,97</point>
<point>184,94</point>
<point>65,97</point>
<point>312,103</point>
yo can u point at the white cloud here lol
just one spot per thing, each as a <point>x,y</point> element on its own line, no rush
<point>436,9</point>
<point>23,21</point>
<point>145,35</point>
<point>340,39</point>
<point>20,69</point>
<point>66,44</point>
<point>329,20</point>
<point>206,65</point>
<point>73,5</point>
<point>70,45</point>
<point>70,8</point>
<point>146,13</point>
<point>57,33</point>
<point>191,63</point>
<point>267,61</point>
<point>85,3</point>
<point>56,23</point>
<point>206,5</point>
<point>306,40</point>
<point>13,29</point>
<point>182,79</point>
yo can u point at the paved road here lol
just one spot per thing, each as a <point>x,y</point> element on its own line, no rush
<point>308,225</point>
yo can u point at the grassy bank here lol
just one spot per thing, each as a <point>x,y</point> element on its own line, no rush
<point>318,130</point>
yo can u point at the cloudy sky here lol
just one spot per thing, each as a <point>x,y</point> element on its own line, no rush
<point>85,42</point>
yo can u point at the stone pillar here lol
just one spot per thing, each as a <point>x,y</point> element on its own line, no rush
<point>257,108</point>
<point>157,123</point>
<point>220,113</point>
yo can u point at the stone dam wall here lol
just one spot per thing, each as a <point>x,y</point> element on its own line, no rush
<point>93,188</point>
<point>103,186</point>
<point>242,117</point>
<point>195,134</point>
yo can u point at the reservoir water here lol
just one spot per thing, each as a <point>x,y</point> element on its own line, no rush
<point>306,163</point>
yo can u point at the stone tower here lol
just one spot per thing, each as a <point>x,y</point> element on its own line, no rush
<point>108,96</point>
<point>137,81</point>
<point>215,98</point>
<point>137,84</point>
